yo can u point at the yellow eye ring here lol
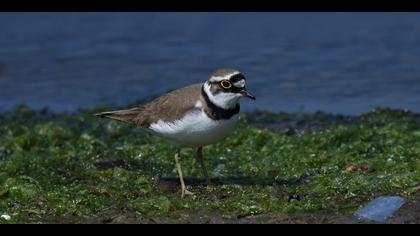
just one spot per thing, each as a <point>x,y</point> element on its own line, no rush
<point>226,84</point>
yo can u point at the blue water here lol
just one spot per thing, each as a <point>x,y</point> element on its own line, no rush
<point>335,62</point>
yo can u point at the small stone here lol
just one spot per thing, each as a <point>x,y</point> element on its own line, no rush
<point>294,197</point>
<point>6,217</point>
<point>381,208</point>
<point>351,168</point>
<point>365,168</point>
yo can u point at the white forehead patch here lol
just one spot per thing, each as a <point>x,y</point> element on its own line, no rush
<point>239,84</point>
<point>225,77</point>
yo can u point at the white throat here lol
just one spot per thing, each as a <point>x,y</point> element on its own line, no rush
<point>222,99</point>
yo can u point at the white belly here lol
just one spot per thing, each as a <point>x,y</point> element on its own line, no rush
<point>195,129</point>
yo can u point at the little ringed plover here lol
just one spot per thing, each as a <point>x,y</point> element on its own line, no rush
<point>193,116</point>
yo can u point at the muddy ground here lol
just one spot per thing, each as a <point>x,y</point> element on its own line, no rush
<point>409,213</point>
<point>59,168</point>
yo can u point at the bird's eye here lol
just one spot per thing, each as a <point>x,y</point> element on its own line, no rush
<point>226,84</point>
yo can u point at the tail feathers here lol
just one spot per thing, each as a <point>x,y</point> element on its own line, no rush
<point>128,116</point>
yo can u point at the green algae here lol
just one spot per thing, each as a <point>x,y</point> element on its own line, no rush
<point>76,165</point>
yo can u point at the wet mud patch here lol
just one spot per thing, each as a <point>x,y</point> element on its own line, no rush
<point>243,181</point>
<point>200,188</point>
<point>115,216</point>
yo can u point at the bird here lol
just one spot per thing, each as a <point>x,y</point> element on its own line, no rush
<point>191,117</point>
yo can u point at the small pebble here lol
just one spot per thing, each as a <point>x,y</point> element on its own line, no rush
<point>365,168</point>
<point>381,208</point>
<point>294,197</point>
<point>6,217</point>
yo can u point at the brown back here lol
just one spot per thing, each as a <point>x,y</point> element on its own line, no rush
<point>169,107</point>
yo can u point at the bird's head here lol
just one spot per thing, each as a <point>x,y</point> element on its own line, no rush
<point>226,87</point>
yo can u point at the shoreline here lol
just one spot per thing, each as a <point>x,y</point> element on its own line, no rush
<point>276,168</point>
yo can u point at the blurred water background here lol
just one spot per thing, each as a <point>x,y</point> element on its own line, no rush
<point>343,63</point>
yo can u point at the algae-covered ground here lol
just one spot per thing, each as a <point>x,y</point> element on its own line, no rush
<point>275,168</point>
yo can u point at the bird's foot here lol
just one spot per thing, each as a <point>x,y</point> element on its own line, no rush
<point>184,192</point>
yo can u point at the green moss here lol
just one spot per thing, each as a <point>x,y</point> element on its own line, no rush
<point>61,165</point>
